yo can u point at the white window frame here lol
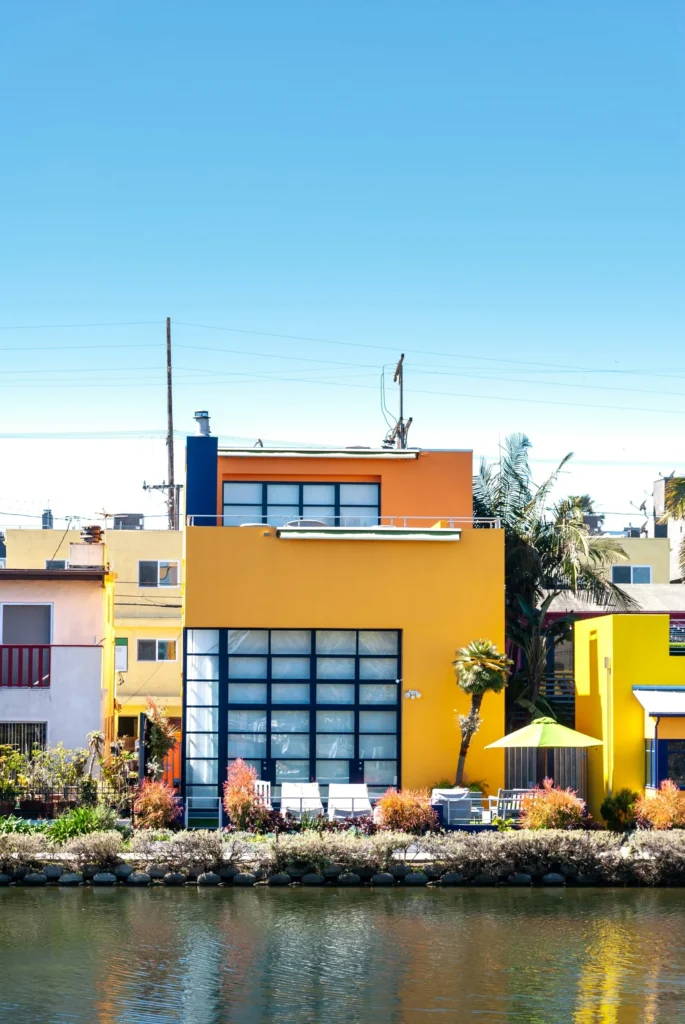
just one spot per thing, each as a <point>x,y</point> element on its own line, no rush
<point>43,604</point>
<point>622,565</point>
<point>158,641</point>
<point>158,585</point>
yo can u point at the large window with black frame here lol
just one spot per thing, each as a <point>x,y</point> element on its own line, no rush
<point>328,504</point>
<point>298,704</point>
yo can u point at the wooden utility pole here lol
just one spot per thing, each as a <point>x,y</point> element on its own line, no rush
<point>172,495</point>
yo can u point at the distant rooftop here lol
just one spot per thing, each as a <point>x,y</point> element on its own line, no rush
<point>649,597</point>
<point>331,453</point>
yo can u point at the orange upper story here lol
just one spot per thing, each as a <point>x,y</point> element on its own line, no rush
<point>413,483</point>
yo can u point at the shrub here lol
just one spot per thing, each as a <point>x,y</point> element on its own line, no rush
<point>658,857</point>
<point>16,825</point>
<point>550,806</point>
<point>196,851</point>
<point>21,851</point>
<point>155,806</point>
<point>408,810</point>
<point>100,848</point>
<point>316,850</point>
<point>241,803</point>
<point>161,736</point>
<point>81,821</point>
<point>619,810</point>
<point>665,809</point>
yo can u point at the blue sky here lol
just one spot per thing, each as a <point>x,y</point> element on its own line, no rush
<point>495,189</point>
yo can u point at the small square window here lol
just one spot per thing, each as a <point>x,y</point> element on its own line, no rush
<point>147,650</point>
<point>620,574</point>
<point>643,574</point>
<point>168,574</point>
<point>166,650</point>
<point>147,574</point>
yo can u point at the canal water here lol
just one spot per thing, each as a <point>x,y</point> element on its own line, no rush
<point>252,956</point>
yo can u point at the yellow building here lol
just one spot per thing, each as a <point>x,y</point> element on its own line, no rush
<point>145,612</point>
<point>630,693</point>
<point>325,595</point>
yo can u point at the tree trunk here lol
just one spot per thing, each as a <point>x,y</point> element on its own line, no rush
<point>469,726</point>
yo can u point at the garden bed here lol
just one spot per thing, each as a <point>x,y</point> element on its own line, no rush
<point>546,857</point>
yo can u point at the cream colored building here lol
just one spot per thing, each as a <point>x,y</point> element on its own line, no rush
<point>648,561</point>
<point>146,565</point>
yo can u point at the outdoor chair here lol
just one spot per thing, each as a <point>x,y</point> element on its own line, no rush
<point>263,792</point>
<point>301,798</point>
<point>459,806</point>
<point>507,804</point>
<point>348,801</point>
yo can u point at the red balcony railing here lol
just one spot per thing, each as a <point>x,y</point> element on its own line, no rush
<point>26,665</point>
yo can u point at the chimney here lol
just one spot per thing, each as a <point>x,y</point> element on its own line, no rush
<point>46,519</point>
<point>202,424</point>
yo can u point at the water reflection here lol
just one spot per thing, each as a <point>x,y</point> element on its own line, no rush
<point>606,956</point>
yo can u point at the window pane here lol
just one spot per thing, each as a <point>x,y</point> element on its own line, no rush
<point>202,719</point>
<point>350,516</point>
<point>246,744</point>
<point>643,574</point>
<point>247,668</point>
<point>203,641</point>
<point>676,761</point>
<point>290,668</point>
<point>202,744</point>
<point>247,721</point>
<point>335,721</point>
<point>147,574</point>
<point>237,515</point>
<point>202,772</point>
<point>202,666</point>
<point>336,641</point>
<point>335,745</point>
<point>166,650</point>
<point>202,693</point>
<point>289,744</point>
<point>283,494</point>
<point>320,513</point>
<point>332,771</point>
<point>378,668</point>
<point>290,721</point>
<point>147,650</point>
<point>202,796</point>
<point>318,494</point>
<point>620,573</point>
<point>380,773</point>
<point>335,668</point>
<point>292,771</point>
<point>243,494</point>
<point>329,693</point>
<point>290,693</point>
<point>248,641</point>
<point>378,641</point>
<point>168,574</point>
<point>280,515</point>
<point>359,494</point>
<point>378,721</point>
<point>377,694</point>
<point>377,746</point>
<point>256,764</point>
<point>247,693</point>
<point>291,641</point>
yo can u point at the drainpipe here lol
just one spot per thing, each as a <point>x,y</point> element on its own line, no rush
<point>655,756</point>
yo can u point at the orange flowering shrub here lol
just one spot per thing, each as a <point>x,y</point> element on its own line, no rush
<point>241,803</point>
<point>666,809</point>
<point>155,806</point>
<point>549,806</point>
<point>408,810</point>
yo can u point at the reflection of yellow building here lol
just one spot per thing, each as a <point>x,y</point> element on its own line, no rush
<point>144,617</point>
<point>630,693</point>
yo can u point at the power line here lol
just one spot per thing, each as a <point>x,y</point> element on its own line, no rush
<point>56,327</point>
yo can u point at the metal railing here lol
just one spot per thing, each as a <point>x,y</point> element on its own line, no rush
<point>25,665</point>
<point>346,522</point>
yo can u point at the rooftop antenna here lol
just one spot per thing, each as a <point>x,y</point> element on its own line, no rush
<point>397,436</point>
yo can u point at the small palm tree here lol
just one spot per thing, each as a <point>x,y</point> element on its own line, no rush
<point>674,508</point>
<point>480,668</point>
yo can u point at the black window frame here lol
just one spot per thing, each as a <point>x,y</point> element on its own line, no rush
<point>267,505</point>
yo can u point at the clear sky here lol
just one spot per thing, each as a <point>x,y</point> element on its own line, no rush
<point>496,189</point>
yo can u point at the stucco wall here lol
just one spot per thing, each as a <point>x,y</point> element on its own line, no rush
<point>79,606</point>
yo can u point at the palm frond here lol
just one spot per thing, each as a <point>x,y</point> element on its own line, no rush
<point>674,498</point>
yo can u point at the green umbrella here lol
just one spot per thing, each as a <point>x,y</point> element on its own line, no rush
<point>545,732</point>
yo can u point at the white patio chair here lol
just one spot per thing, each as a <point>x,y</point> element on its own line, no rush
<point>263,792</point>
<point>298,798</point>
<point>347,800</point>
<point>508,803</point>
<point>460,806</point>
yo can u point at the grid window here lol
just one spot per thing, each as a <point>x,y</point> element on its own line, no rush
<point>158,574</point>
<point>329,504</point>
<point>202,736</point>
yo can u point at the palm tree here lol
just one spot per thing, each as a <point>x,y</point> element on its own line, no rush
<point>480,668</point>
<point>548,551</point>
<point>674,508</point>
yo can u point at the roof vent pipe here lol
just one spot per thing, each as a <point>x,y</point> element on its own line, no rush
<point>202,424</point>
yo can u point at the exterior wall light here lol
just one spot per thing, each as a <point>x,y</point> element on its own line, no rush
<point>412,694</point>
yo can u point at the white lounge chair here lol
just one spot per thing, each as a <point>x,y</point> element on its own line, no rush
<point>298,798</point>
<point>346,800</point>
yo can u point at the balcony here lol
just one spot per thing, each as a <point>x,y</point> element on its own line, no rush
<point>370,527</point>
<point>25,665</point>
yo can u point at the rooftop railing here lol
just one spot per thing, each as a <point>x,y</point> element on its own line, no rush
<point>346,521</point>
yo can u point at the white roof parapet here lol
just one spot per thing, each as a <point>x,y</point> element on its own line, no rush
<point>321,453</point>
<point>661,700</point>
<point>396,533</point>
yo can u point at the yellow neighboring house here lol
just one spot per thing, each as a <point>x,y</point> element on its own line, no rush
<point>145,616</point>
